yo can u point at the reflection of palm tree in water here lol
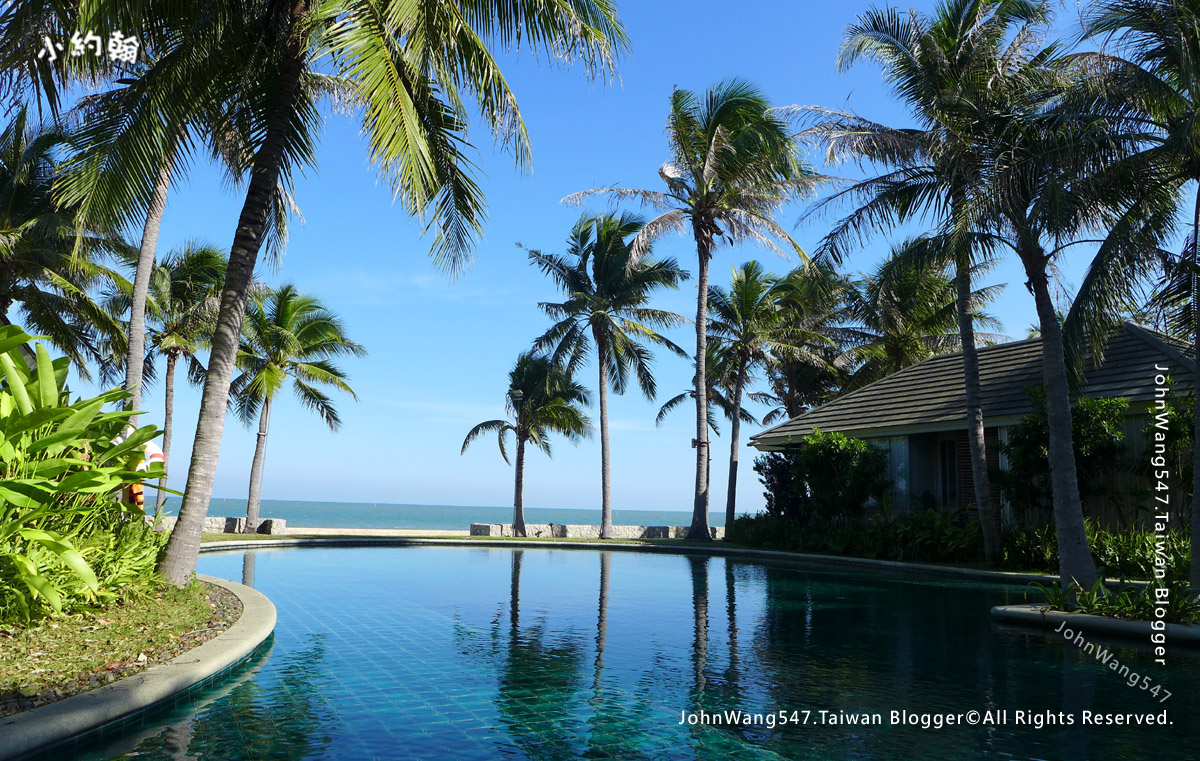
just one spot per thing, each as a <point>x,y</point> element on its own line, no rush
<point>699,569</point>
<point>602,617</point>
<point>619,721</point>
<point>172,740</point>
<point>543,699</point>
<point>248,568</point>
<point>539,684</point>
<point>272,714</point>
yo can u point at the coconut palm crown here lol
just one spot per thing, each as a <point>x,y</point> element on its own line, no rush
<point>288,336</point>
<point>735,162</point>
<point>607,312</point>
<point>542,399</point>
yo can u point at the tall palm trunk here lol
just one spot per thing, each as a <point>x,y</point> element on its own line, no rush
<point>698,531</point>
<point>602,616</point>
<point>606,521</point>
<point>256,467</point>
<point>1194,579</point>
<point>178,561</point>
<point>1074,559</point>
<point>519,489</point>
<point>731,673</point>
<point>976,441</point>
<point>699,569</point>
<point>168,417</point>
<point>514,592</point>
<point>136,353</point>
<point>735,432</point>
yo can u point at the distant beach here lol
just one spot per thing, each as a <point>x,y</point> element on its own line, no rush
<point>437,517</point>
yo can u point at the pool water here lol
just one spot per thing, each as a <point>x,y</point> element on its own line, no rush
<point>495,653</point>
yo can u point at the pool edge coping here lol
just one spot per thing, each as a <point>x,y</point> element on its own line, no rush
<point>716,548</point>
<point>1040,616</point>
<point>41,728</point>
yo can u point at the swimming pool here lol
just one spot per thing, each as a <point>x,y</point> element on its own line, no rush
<point>434,652</point>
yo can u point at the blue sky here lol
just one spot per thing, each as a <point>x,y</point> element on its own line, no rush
<point>440,350</point>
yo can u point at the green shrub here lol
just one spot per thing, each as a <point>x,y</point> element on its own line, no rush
<point>1099,441</point>
<point>1122,553</point>
<point>1177,417</point>
<point>826,476</point>
<point>66,540</point>
<point>942,537</point>
<point>929,537</point>
<point>1132,603</point>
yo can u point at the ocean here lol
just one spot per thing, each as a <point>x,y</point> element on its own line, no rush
<point>433,517</point>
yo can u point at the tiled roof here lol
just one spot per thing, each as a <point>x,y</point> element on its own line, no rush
<point>929,395</point>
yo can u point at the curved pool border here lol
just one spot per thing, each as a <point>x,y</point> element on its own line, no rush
<point>1041,616</point>
<point>42,729</point>
<point>79,717</point>
<point>715,548</point>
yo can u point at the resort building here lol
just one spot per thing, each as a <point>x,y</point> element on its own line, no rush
<point>919,414</point>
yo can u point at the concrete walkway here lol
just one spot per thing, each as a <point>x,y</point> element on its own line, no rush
<point>412,532</point>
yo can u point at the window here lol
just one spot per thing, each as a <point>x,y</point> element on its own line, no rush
<point>948,474</point>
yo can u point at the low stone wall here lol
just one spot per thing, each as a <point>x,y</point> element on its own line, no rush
<point>218,525</point>
<point>582,531</point>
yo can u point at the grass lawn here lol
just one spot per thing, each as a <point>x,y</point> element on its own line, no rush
<point>66,655</point>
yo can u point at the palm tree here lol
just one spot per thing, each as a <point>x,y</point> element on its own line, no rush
<point>734,162</point>
<point>133,138</point>
<point>946,70</point>
<point>719,369</point>
<point>606,311</point>
<point>1050,183</point>
<point>409,73</point>
<point>542,399</point>
<point>813,299</point>
<point>181,306</point>
<point>40,269</point>
<point>136,118</point>
<point>1146,82</point>
<point>287,335</point>
<point>748,322</point>
<point>907,311</point>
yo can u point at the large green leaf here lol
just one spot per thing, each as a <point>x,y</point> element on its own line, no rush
<point>36,419</point>
<point>134,441</point>
<point>23,494</point>
<point>47,385</point>
<point>12,337</point>
<point>16,384</point>
<point>66,553</point>
<point>95,481</point>
<point>82,417</point>
<point>37,583</point>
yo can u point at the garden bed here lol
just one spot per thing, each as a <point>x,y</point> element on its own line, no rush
<point>64,656</point>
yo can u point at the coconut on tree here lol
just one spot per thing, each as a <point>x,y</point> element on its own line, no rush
<point>542,399</point>
<point>608,314</point>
